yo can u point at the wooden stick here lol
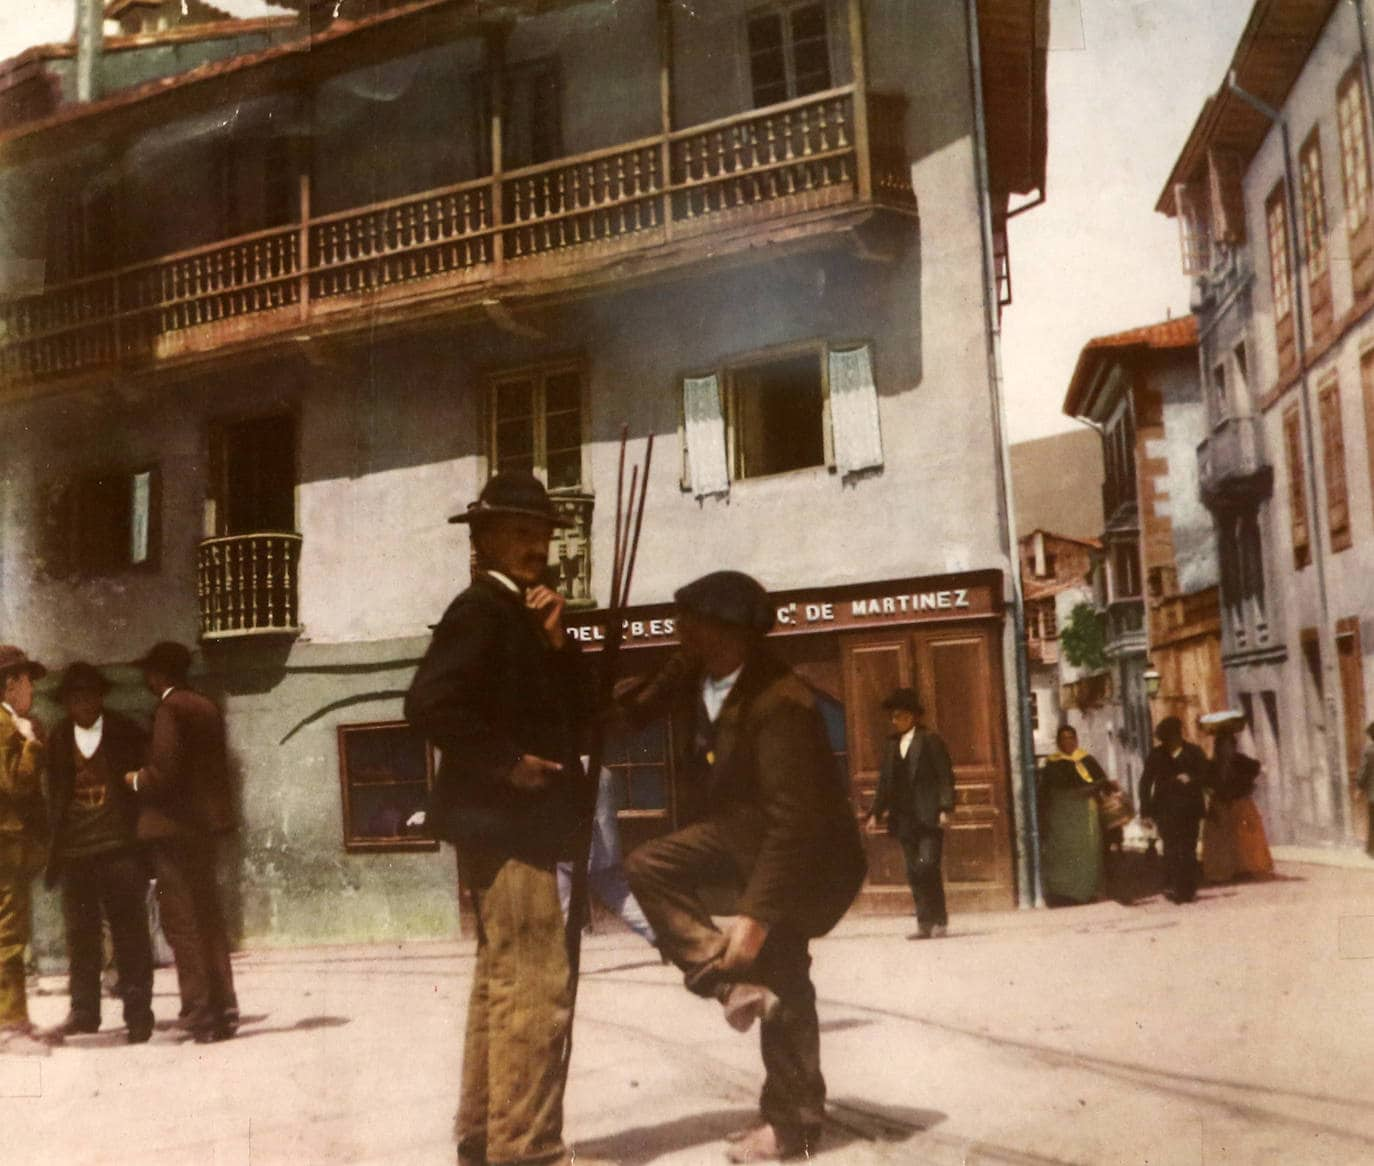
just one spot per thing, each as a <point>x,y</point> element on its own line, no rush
<point>639,520</point>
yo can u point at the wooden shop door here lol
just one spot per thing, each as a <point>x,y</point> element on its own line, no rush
<point>1350,659</point>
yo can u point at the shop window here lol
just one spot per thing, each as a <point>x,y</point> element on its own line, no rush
<point>1352,121</point>
<point>103,523</point>
<point>1315,257</point>
<point>638,761</point>
<point>1333,466</point>
<point>1280,281</point>
<point>789,52</point>
<point>1297,487</point>
<point>386,770</point>
<point>536,421</point>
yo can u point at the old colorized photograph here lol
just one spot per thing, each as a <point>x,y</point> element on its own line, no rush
<point>685,582</point>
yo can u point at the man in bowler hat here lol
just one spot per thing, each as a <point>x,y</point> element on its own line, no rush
<point>916,793</point>
<point>1171,794</point>
<point>95,854</point>
<point>185,806</point>
<point>23,844</point>
<point>501,692</point>
<point>776,844</point>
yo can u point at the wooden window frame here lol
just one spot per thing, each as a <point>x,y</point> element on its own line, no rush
<point>1333,464</point>
<point>1316,257</point>
<point>1357,183</point>
<point>65,536</point>
<point>355,845</point>
<point>1298,518</point>
<point>1281,277</point>
<point>540,372</point>
<point>1367,401</point>
<point>783,10</point>
<point>730,392</point>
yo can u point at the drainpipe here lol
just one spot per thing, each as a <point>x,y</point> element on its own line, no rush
<point>90,34</point>
<point>1326,636</point>
<point>1031,892</point>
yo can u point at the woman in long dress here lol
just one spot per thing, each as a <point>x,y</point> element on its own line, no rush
<point>1233,839</point>
<point>1071,841</point>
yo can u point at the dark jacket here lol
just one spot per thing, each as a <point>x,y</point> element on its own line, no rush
<point>769,773</point>
<point>124,745</point>
<point>1171,787</point>
<point>489,689</point>
<point>184,785</point>
<point>916,789</point>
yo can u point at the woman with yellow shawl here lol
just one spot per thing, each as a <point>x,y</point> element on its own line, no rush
<point>1071,841</point>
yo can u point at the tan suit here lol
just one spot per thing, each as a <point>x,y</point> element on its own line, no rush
<point>23,851</point>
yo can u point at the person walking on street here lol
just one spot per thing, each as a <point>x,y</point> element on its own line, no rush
<point>778,839</point>
<point>1072,843</point>
<point>185,806</point>
<point>503,694</point>
<point>23,844</point>
<point>1234,844</point>
<point>916,794</point>
<point>1171,794</point>
<point>95,853</point>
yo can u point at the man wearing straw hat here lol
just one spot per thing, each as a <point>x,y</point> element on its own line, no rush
<point>501,692</point>
<point>23,844</point>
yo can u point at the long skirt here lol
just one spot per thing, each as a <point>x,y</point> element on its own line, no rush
<point>1071,847</point>
<point>1234,842</point>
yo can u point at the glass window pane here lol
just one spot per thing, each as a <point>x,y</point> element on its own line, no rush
<point>562,392</point>
<point>765,32</point>
<point>647,789</point>
<point>515,439</point>
<point>808,22</point>
<point>514,399</point>
<point>780,414</point>
<point>564,431</point>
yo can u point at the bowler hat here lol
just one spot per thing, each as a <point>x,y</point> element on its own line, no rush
<point>13,659</point>
<point>1168,727</point>
<point>168,657</point>
<point>729,597</point>
<point>81,677</point>
<point>515,493</point>
<point>904,698</point>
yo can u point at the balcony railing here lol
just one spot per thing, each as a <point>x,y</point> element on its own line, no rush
<point>538,222</point>
<point>1231,460</point>
<point>247,585</point>
<point>570,551</point>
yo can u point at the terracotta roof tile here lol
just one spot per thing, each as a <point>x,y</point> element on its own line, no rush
<point>1174,334</point>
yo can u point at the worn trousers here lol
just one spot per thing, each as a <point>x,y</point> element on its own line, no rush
<point>115,884</point>
<point>924,850</point>
<point>189,907</point>
<point>510,1109</point>
<point>672,878</point>
<point>20,860</point>
<point>1178,833</point>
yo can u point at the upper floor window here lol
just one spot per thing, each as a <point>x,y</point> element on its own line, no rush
<point>253,476</point>
<point>777,412</point>
<point>1280,276</point>
<point>1333,465</point>
<point>1316,259</point>
<point>1125,572</point>
<point>1297,487</point>
<point>531,115</point>
<point>536,424</point>
<point>1221,400</point>
<point>102,523</point>
<point>789,52</point>
<point>1351,121</point>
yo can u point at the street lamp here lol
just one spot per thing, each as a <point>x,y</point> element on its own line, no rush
<point>1151,678</point>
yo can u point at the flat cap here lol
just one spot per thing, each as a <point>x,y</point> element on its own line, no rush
<point>729,597</point>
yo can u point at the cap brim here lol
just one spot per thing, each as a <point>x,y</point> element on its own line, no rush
<point>553,520</point>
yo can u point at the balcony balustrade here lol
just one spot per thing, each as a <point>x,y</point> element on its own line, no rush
<point>539,222</point>
<point>1232,464</point>
<point>570,550</point>
<point>247,585</point>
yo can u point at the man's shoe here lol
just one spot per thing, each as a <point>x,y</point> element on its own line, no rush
<point>75,1024</point>
<point>746,1003</point>
<point>939,931</point>
<point>766,1144</point>
<point>922,932</point>
<point>140,1034</point>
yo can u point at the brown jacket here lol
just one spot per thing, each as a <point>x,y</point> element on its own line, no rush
<point>23,813</point>
<point>185,784</point>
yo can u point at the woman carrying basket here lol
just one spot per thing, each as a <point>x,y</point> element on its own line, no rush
<point>1233,839</point>
<point>1073,827</point>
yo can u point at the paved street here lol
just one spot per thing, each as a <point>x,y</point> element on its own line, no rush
<point>1237,1030</point>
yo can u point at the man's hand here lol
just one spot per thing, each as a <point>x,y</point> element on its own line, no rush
<point>531,772</point>
<point>131,779</point>
<point>743,942</point>
<point>548,605</point>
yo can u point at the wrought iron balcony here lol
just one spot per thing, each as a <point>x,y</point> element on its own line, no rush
<point>247,585</point>
<point>1231,464</point>
<point>570,551</point>
<point>773,167</point>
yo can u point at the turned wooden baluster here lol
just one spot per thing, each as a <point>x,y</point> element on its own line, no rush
<point>269,551</point>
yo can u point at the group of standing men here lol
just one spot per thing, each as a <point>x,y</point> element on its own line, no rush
<point>102,808</point>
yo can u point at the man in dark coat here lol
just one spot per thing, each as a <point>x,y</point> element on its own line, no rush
<point>778,836</point>
<point>185,805</point>
<point>916,792</point>
<point>95,853</point>
<point>502,694</point>
<point>1171,793</point>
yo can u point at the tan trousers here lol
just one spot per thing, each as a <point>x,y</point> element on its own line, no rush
<point>519,1016</point>
<point>20,861</point>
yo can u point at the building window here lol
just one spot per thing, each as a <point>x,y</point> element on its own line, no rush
<point>1033,703</point>
<point>253,475</point>
<point>1119,456</point>
<point>531,115</point>
<point>1125,575</point>
<point>1333,465</point>
<point>1351,121</point>
<point>638,761</point>
<point>1280,277</point>
<point>1221,405</point>
<point>1367,392</point>
<point>1297,487</point>
<point>1315,259</point>
<point>789,53</point>
<point>386,770</point>
<point>536,420</point>
<point>103,523</point>
<point>777,415</point>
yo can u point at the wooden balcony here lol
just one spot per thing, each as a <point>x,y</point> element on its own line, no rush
<point>783,169</point>
<point>1232,467</point>
<point>247,585</point>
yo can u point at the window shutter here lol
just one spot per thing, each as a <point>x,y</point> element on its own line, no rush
<point>707,469</point>
<point>1225,173</point>
<point>1191,204</point>
<point>854,411</point>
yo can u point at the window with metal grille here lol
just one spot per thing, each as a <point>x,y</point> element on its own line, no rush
<point>789,52</point>
<point>536,424</point>
<point>386,770</point>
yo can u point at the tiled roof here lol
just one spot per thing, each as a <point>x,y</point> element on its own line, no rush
<point>1168,335</point>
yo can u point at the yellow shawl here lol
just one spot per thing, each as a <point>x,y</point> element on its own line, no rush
<point>1076,757</point>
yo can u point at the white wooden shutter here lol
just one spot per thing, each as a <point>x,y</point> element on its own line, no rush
<point>707,468</point>
<point>858,440</point>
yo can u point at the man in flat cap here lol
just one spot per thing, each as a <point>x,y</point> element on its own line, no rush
<point>23,844</point>
<point>95,854</point>
<point>916,794</point>
<point>502,694</point>
<point>778,836</point>
<point>185,805</point>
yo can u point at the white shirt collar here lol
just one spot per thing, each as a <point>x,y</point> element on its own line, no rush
<point>166,690</point>
<point>88,740</point>
<point>4,704</point>
<point>506,581</point>
<point>715,692</point>
<point>904,745</point>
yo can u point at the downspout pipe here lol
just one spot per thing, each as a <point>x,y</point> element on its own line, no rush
<point>1326,636</point>
<point>90,37</point>
<point>1031,894</point>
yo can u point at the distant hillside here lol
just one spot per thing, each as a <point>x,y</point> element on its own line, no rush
<point>1058,484</point>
